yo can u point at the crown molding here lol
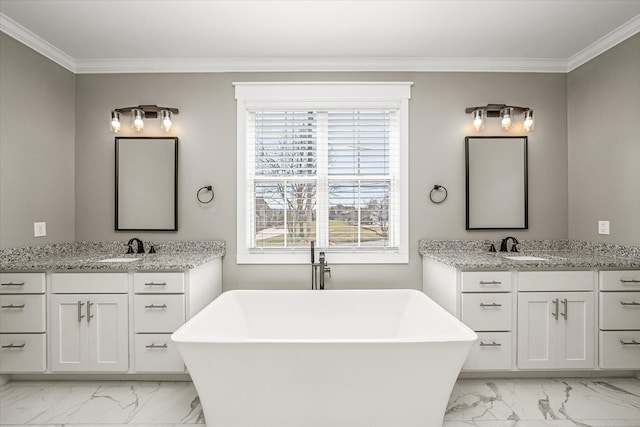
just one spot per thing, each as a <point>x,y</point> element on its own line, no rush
<point>35,42</point>
<point>326,64</point>
<point>309,64</point>
<point>620,34</point>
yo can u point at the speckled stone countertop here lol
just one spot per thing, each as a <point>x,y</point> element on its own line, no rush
<point>86,256</point>
<point>557,254</point>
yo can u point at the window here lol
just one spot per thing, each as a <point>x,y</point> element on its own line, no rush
<point>324,162</point>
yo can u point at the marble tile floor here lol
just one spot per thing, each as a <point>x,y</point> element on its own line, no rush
<point>613,402</point>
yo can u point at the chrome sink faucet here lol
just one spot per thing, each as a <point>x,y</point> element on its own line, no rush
<point>318,269</point>
<point>503,244</point>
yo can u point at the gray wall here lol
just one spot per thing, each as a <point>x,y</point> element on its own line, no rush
<point>206,127</point>
<point>604,145</point>
<point>37,115</point>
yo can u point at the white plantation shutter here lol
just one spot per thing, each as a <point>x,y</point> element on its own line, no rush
<point>323,161</point>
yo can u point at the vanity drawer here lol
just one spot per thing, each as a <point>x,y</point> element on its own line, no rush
<point>158,313</point>
<point>492,351</point>
<point>551,281</point>
<point>89,283</point>
<point>157,353</point>
<point>623,280</point>
<point>158,283</point>
<point>22,352</point>
<point>486,281</point>
<point>22,313</point>
<point>487,311</point>
<point>620,349</point>
<point>620,310</point>
<point>22,283</point>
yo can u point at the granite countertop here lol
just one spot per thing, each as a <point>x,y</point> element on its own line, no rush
<point>557,254</point>
<point>87,256</point>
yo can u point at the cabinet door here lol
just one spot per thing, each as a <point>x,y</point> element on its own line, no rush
<point>107,321</point>
<point>69,333</point>
<point>537,330</point>
<point>576,330</point>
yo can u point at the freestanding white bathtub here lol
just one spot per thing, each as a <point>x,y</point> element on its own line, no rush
<point>348,358</point>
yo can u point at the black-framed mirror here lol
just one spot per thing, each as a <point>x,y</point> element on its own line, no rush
<point>146,184</point>
<point>496,183</point>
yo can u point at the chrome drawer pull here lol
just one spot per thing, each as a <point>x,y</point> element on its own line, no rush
<point>632,342</point>
<point>156,284</point>
<point>564,303</point>
<point>163,306</point>
<point>493,304</point>
<point>80,315</point>
<point>491,344</point>
<point>14,345</point>
<point>13,306</point>
<point>89,315</point>
<point>555,302</point>
<point>156,346</point>
<point>629,303</point>
<point>493,282</point>
<point>12,284</point>
<point>629,281</point>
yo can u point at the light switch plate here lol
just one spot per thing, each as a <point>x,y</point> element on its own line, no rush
<point>39,229</point>
<point>603,227</point>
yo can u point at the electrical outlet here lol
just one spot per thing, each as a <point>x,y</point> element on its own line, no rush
<point>603,227</point>
<point>39,229</point>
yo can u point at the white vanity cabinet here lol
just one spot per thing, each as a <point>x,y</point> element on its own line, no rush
<point>96,318</point>
<point>159,309</point>
<point>556,329</point>
<point>619,325</point>
<point>89,322</point>
<point>483,300</point>
<point>486,307</point>
<point>22,322</point>
<point>162,302</point>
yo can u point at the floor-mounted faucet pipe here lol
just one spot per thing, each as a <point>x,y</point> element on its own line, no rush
<point>319,269</point>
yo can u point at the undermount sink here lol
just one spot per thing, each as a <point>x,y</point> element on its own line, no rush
<point>120,259</point>
<point>524,258</point>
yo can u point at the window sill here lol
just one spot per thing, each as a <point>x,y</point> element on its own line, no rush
<point>373,257</point>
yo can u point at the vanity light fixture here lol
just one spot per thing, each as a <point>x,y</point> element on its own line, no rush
<point>504,112</point>
<point>478,119</point>
<point>115,121</point>
<point>528,120</point>
<point>505,117</point>
<point>137,119</point>
<point>165,117</point>
<point>142,112</point>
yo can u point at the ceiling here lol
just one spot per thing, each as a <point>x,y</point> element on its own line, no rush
<point>99,36</point>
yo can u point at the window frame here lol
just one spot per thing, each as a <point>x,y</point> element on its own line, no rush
<point>319,95</point>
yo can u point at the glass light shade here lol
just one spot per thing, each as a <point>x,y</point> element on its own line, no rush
<point>137,119</point>
<point>115,122</point>
<point>165,117</point>
<point>529,122</point>
<point>506,117</point>
<point>478,119</point>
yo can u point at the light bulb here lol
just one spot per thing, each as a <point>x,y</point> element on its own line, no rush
<point>505,116</point>
<point>166,120</point>
<point>528,120</point>
<point>115,121</point>
<point>478,119</point>
<point>137,119</point>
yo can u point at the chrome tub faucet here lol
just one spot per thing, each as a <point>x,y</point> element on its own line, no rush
<point>318,269</point>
